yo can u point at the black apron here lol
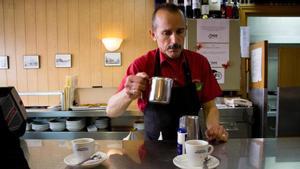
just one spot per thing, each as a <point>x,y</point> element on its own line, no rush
<point>165,117</point>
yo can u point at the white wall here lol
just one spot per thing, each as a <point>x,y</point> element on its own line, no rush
<point>280,30</point>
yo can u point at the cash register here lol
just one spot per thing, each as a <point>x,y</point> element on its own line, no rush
<point>12,126</point>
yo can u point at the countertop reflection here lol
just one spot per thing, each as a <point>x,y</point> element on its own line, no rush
<point>264,153</point>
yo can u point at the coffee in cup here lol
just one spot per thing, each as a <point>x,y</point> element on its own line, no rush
<point>197,151</point>
<point>83,148</point>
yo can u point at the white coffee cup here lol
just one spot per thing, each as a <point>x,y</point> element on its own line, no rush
<point>197,151</point>
<point>83,148</point>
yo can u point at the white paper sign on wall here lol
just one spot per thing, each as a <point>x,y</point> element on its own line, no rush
<point>213,30</point>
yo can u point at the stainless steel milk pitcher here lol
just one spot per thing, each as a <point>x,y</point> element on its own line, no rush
<point>192,126</point>
<point>161,88</point>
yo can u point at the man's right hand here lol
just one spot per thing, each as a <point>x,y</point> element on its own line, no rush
<point>136,84</point>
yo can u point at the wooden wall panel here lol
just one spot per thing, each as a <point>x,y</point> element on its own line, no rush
<point>41,40</point>
<point>84,45</point>
<point>30,46</point>
<point>139,26</point>
<point>3,81</point>
<point>107,30</point>
<point>20,47</point>
<point>53,80</point>
<point>9,28</point>
<point>95,30</point>
<point>129,33</point>
<point>117,24</point>
<point>73,30</point>
<point>48,27</point>
<point>62,37</point>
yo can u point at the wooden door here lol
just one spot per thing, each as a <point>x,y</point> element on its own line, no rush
<point>289,67</point>
<point>288,98</point>
<point>258,91</point>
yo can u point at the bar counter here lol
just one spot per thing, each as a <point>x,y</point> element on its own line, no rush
<point>264,153</point>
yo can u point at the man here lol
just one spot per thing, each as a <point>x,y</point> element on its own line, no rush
<point>194,83</point>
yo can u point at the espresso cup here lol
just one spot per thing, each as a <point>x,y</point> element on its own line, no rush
<point>83,148</point>
<point>197,151</point>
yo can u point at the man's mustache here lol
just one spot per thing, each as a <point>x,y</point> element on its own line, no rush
<point>174,46</point>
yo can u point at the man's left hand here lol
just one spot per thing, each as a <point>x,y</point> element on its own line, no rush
<point>217,132</point>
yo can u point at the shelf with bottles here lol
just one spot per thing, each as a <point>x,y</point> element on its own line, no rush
<point>204,9</point>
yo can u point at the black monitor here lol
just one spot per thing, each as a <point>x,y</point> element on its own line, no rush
<point>12,111</point>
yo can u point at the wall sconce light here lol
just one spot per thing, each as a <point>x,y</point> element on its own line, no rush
<point>112,44</point>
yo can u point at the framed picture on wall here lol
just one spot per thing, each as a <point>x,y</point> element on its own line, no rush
<point>4,64</point>
<point>112,59</point>
<point>31,62</point>
<point>63,60</point>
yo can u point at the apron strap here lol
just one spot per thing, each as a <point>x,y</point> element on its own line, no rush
<point>157,63</point>
<point>187,71</point>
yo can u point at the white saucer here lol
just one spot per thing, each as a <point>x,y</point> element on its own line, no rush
<point>181,161</point>
<point>71,160</point>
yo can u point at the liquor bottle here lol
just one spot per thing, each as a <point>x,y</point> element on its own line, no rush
<point>159,2</point>
<point>196,8</point>
<point>175,2</point>
<point>223,9</point>
<point>214,9</point>
<point>181,5</point>
<point>229,9</point>
<point>188,12</point>
<point>235,10</point>
<point>204,9</point>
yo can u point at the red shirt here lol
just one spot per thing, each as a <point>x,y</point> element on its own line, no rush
<point>202,75</point>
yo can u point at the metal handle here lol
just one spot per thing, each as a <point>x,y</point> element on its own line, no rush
<point>230,126</point>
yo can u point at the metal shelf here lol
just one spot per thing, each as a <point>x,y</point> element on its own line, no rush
<point>81,113</point>
<point>101,135</point>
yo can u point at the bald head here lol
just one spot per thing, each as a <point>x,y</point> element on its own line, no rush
<point>167,7</point>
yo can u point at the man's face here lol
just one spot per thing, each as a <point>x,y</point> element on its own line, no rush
<point>169,33</point>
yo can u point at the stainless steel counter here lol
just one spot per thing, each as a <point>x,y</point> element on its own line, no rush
<point>235,154</point>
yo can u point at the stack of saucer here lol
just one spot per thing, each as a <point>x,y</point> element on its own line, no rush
<point>40,125</point>
<point>75,123</point>
<point>58,124</point>
<point>101,123</point>
<point>139,125</point>
<point>28,126</point>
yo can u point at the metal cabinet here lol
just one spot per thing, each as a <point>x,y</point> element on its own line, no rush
<point>237,121</point>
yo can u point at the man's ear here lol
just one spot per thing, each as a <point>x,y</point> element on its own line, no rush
<point>152,34</point>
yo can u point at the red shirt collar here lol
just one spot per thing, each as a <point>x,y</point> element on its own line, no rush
<point>164,58</point>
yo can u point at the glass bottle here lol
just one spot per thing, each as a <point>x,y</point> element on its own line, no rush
<point>205,9</point>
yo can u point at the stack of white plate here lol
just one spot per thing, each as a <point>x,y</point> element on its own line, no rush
<point>139,125</point>
<point>58,124</point>
<point>75,123</point>
<point>40,125</point>
<point>101,122</point>
<point>28,126</point>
